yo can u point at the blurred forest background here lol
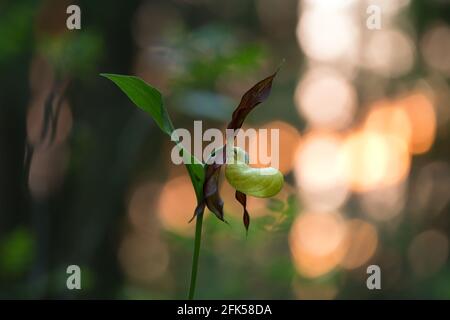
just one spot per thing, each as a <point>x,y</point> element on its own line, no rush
<point>86,177</point>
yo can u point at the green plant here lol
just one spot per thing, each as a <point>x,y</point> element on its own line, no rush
<point>205,176</point>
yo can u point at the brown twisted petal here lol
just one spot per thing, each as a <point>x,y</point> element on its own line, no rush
<point>211,197</point>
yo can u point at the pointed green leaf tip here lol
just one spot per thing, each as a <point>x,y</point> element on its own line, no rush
<point>145,97</point>
<point>150,100</point>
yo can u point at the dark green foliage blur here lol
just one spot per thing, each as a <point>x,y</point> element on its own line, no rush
<point>204,55</point>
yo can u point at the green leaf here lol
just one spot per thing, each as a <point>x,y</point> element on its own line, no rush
<point>197,174</point>
<point>145,97</point>
<point>150,100</point>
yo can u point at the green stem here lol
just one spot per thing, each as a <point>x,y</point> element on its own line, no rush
<point>197,242</point>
